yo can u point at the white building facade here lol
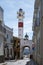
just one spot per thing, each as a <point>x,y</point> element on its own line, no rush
<point>6,39</point>
<point>9,43</point>
<point>2,35</point>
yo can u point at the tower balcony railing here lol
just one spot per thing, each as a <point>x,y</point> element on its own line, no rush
<point>2,30</point>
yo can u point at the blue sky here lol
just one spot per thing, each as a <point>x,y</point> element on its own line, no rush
<point>10,14</point>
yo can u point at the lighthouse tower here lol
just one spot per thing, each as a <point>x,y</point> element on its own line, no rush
<point>20,17</point>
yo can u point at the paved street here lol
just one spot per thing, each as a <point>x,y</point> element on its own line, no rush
<point>25,61</point>
<point>17,62</point>
<point>31,63</point>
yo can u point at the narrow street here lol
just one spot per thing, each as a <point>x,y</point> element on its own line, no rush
<point>31,62</point>
<point>16,62</point>
<point>25,61</point>
<point>21,32</point>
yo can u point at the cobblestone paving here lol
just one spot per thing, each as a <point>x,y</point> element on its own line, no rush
<point>31,63</point>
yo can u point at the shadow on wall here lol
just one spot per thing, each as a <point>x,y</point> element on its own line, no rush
<point>31,56</point>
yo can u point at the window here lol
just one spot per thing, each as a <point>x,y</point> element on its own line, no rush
<point>14,41</point>
<point>11,51</point>
<point>38,17</point>
<point>7,36</point>
<point>38,45</point>
<point>19,14</point>
<point>19,34</point>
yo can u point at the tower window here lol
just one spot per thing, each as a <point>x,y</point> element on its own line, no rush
<point>19,14</point>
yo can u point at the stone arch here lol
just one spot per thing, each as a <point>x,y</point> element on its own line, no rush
<point>24,48</point>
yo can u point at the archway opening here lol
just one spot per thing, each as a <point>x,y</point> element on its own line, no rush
<point>26,50</point>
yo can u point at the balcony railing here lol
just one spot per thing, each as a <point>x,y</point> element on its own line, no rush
<point>2,29</point>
